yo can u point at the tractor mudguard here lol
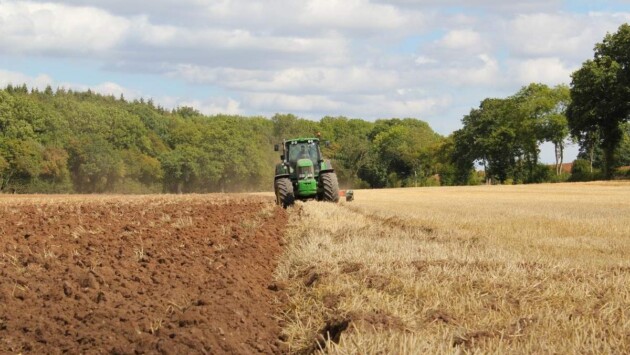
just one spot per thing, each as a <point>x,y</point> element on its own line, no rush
<point>325,167</point>
<point>281,176</point>
<point>282,170</point>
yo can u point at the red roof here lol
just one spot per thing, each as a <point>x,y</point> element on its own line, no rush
<point>566,167</point>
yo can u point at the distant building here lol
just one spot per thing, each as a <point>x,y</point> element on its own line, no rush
<point>565,168</point>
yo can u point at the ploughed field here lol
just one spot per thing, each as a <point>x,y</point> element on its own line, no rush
<point>114,274</point>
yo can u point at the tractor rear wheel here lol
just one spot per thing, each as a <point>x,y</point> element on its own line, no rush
<point>284,192</point>
<point>330,187</point>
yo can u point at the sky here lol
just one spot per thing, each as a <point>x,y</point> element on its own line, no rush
<point>427,59</point>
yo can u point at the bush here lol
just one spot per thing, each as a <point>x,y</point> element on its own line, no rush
<point>581,171</point>
<point>39,186</point>
<point>394,181</point>
<point>133,187</point>
<point>542,173</point>
<point>622,173</point>
<point>563,177</point>
<point>433,180</point>
<point>476,179</point>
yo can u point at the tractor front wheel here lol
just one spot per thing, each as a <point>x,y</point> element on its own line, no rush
<point>284,192</point>
<point>330,187</point>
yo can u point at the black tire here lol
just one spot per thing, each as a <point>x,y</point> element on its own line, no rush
<point>284,192</point>
<point>330,187</point>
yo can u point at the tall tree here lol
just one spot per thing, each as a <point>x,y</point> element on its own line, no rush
<point>556,125</point>
<point>600,96</point>
<point>490,136</point>
<point>401,146</point>
<point>541,117</point>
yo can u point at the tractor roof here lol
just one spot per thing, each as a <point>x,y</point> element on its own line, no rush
<point>302,140</point>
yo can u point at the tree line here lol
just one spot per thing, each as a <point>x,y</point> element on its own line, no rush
<point>64,141</point>
<point>82,142</point>
<point>504,135</point>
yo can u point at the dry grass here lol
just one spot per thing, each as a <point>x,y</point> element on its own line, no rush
<point>491,269</point>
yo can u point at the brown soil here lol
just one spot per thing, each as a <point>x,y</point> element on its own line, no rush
<point>147,274</point>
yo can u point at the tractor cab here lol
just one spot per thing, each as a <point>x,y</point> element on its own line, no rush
<point>308,149</point>
<point>300,149</point>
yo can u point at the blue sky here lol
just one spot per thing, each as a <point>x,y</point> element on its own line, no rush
<point>428,59</point>
<point>585,6</point>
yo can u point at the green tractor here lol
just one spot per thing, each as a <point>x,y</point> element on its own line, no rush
<point>303,173</point>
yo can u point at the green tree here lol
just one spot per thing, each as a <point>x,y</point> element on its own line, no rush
<point>186,167</point>
<point>142,167</point>
<point>543,119</point>
<point>462,154</point>
<point>24,158</point>
<point>231,143</point>
<point>287,126</point>
<point>349,149</point>
<point>4,170</point>
<point>623,151</point>
<point>68,141</point>
<point>595,155</point>
<point>400,148</point>
<point>95,164</point>
<point>55,164</point>
<point>600,92</point>
<point>581,170</point>
<point>490,136</point>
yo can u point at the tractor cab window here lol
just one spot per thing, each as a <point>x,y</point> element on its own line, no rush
<point>303,151</point>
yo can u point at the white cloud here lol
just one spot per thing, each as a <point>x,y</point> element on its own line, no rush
<point>16,79</point>
<point>365,106</point>
<point>213,106</point>
<point>487,73</point>
<point>560,34</point>
<point>422,60</point>
<point>478,71</point>
<point>418,107</point>
<point>551,71</point>
<point>494,6</point>
<point>354,79</point>
<point>462,39</point>
<point>48,28</point>
<point>27,27</point>
<point>352,14</point>
<point>269,102</point>
<point>106,88</point>
<point>310,16</point>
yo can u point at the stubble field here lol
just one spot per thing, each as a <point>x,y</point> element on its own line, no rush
<point>489,269</point>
